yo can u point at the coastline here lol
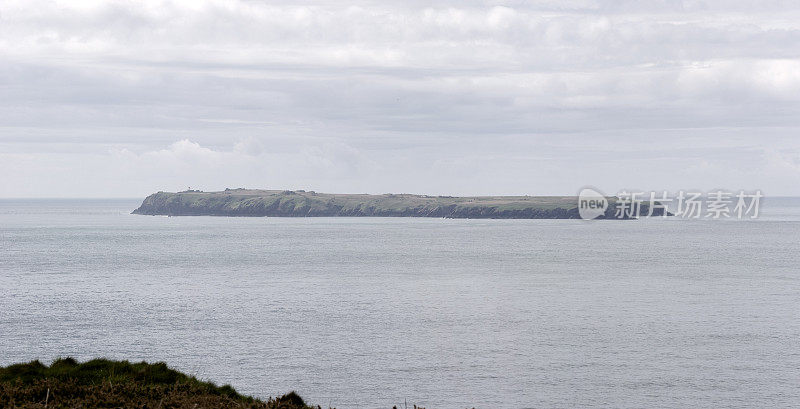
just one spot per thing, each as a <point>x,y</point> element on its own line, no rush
<point>301,203</point>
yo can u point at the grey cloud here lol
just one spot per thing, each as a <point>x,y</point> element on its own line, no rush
<point>466,97</point>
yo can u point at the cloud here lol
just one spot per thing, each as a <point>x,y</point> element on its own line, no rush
<point>387,96</point>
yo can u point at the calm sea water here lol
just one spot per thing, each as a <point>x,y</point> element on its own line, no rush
<point>365,313</point>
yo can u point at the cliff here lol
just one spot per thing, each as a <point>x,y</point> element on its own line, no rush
<point>300,203</point>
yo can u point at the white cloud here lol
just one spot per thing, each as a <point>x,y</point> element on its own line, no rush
<point>387,96</point>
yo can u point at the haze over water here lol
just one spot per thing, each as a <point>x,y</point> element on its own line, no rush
<point>369,312</point>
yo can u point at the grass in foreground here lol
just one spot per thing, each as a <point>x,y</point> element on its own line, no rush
<point>102,383</point>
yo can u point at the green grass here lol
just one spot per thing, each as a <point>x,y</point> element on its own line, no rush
<point>104,383</point>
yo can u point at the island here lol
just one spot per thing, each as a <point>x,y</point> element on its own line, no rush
<point>301,203</point>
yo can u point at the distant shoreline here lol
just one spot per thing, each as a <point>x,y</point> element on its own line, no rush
<point>301,203</point>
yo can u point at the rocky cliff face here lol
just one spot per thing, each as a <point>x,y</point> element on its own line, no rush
<point>255,203</point>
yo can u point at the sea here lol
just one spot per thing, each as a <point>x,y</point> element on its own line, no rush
<point>440,313</point>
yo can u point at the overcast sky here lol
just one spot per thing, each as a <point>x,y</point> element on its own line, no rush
<point>125,98</point>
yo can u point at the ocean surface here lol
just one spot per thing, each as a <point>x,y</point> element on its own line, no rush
<point>375,312</point>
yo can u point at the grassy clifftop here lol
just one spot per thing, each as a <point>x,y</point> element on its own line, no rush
<point>300,203</point>
<point>103,383</point>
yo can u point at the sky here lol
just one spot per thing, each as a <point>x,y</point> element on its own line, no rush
<point>126,98</point>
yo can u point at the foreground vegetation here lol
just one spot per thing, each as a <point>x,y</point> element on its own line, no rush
<point>300,203</point>
<point>102,383</point>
